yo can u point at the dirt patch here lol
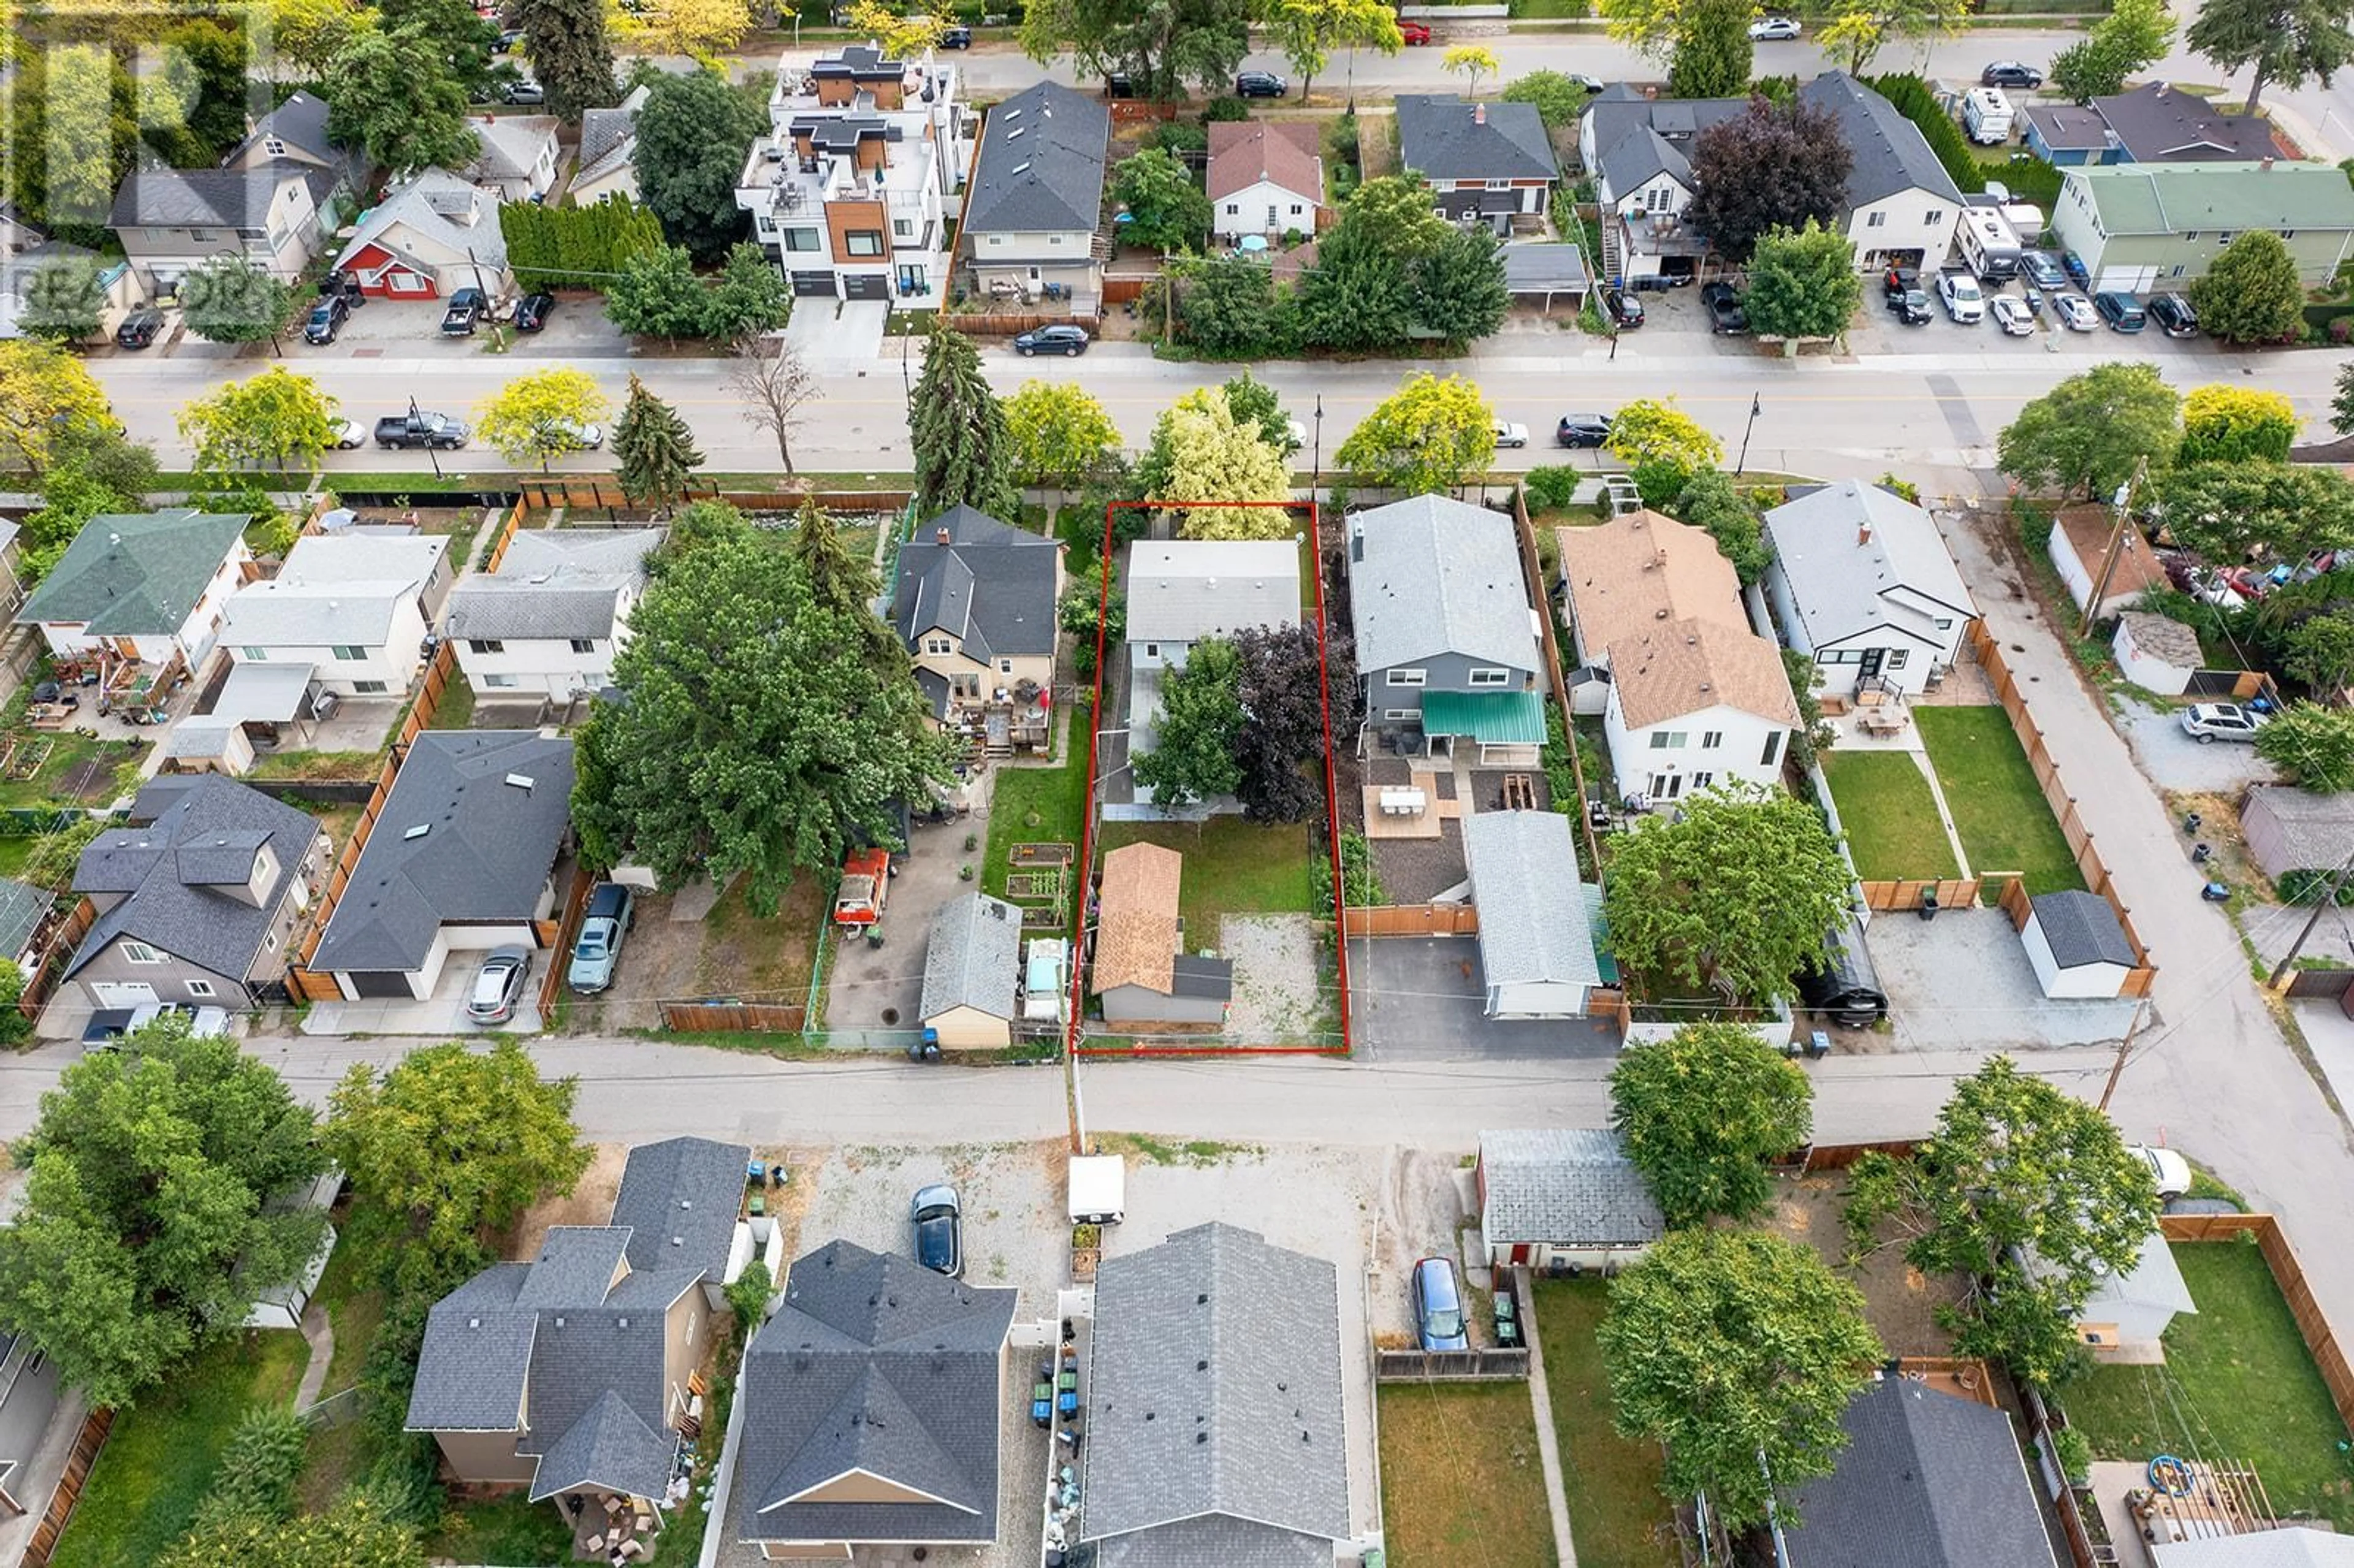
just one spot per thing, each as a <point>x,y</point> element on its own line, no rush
<point>767,957</point>
<point>591,1202</point>
<point>1900,1301</point>
<point>1416,871</point>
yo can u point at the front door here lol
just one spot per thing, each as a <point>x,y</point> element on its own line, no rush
<point>1666,786</point>
<point>1872,660</point>
<point>1520,1253</point>
<point>1270,217</point>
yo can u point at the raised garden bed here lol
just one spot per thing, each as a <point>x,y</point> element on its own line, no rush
<point>1035,887</point>
<point>1045,854</point>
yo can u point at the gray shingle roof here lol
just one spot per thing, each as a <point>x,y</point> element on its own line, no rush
<point>1040,168</point>
<point>1532,925</point>
<point>554,582</point>
<point>1841,579</point>
<point>510,144</point>
<point>277,613</point>
<point>1636,137</point>
<point>200,198</point>
<point>1218,1538</point>
<point>173,870</point>
<point>610,1447</point>
<point>873,1364</point>
<point>2316,831</point>
<point>1566,1187</point>
<point>679,1200</point>
<point>300,124</point>
<point>425,206</point>
<point>608,137</point>
<point>1186,589</point>
<point>1929,1480</point>
<point>22,908</point>
<point>134,575</point>
<point>1444,137</point>
<point>991,584</point>
<point>2158,124</point>
<point>973,957</point>
<point>1890,155</point>
<point>576,1265</point>
<point>2081,929</point>
<point>1191,974</point>
<point>486,852</point>
<point>1198,1408</point>
<point>475,1356</point>
<point>1434,575</point>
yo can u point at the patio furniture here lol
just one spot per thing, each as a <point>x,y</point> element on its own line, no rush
<point>595,1542</point>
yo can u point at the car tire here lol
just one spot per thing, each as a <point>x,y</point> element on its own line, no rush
<point>2204,739</point>
<point>385,445</point>
<point>1026,353</point>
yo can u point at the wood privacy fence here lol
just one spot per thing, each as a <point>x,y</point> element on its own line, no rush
<point>1480,1363</point>
<point>1533,578</point>
<point>2337,1374</point>
<point>499,541</point>
<point>1126,290</point>
<point>735,1017</point>
<point>78,1460</point>
<point>2330,985</point>
<point>2056,1486</point>
<point>1953,892</point>
<point>1412,920</point>
<point>49,963</point>
<point>567,927</point>
<point>1137,111</point>
<point>2079,837</point>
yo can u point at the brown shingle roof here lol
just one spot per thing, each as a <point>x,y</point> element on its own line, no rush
<point>1630,574</point>
<point>1136,919</point>
<point>1685,666</point>
<point>1282,152</point>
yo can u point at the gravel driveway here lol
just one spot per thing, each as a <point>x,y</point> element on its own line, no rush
<point>2175,761</point>
<point>1279,982</point>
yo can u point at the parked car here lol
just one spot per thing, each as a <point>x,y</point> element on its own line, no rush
<point>419,429</point>
<point>2173,316</point>
<point>108,1026</point>
<point>1051,340</point>
<point>327,318</point>
<point>1414,32</point>
<point>1958,292</point>
<point>1724,312</point>
<point>508,38</point>
<point>2078,273</point>
<point>2010,73</point>
<point>1773,30</point>
<point>1438,1306</point>
<point>2011,314</point>
<point>533,312</point>
<point>1911,307</point>
<point>1119,84</point>
<point>522,92</point>
<point>2168,1169</point>
<point>959,37</point>
<point>578,434</point>
<point>139,328</point>
<point>2077,313</point>
<point>1510,436</point>
<point>1623,309</point>
<point>1260,84</point>
<point>1582,429</point>
<point>2043,270</point>
<point>498,985</point>
<point>1898,282</point>
<point>350,434</point>
<point>2121,310</point>
<point>467,310</point>
<point>939,1220</point>
<point>2208,722</point>
<point>603,925</point>
<point>1590,83</point>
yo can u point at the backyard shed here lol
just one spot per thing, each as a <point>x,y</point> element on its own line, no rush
<point>2076,944</point>
<point>2136,1308</point>
<point>2157,652</point>
<point>2290,1546</point>
<point>1560,1198</point>
<point>281,1306</point>
<point>2290,829</point>
<point>1147,980</point>
<point>972,968</point>
<point>1536,941</point>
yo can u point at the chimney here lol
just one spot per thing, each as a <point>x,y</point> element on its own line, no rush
<point>939,536</point>
<point>1864,533</point>
<point>1478,114</point>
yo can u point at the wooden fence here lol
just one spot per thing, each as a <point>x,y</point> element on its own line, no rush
<point>78,1460</point>
<point>586,490</point>
<point>2330,985</point>
<point>735,1017</point>
<point>49,963</point>
<point>1126,290</point>
<point>1953,892</point>
<point>1137,111</point>
<point>1480,1363</point>
<point>997,323</point>
<point>567,927</point>
<point>1412,920</point>
<point>1532,574</point>
<point>500,540</point>
<point>2337,1374</point>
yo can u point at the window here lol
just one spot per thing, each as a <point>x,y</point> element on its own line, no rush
<point>1710,740</point>
<point>1668,739</point>
<point>200,988</point>
<point>276,149</point>
<point>1499,184</point>
<point>1233,208</point>
<point>903,227</point>
<point>938,645</point>
<point>2288,234</point>
<point>1005,666</point>
<point>270,941</point>
<point>1945,626</point>
<point>485,645</point>
<point>257,653</point>
<point>498,682</point>
<point>368,688</point>
<point>1898,657</point>
<point>1054,240</point>
<point>1407,677</point>
<point>1398,713</point>
<point>2192,235</point>
<point>1297,210</point>
<point>1152,650</point>
<point>862,242</point>
<point>800,239</point>
<point>141,953</point>
<point>1491,677</point>
<point>584,645</point>
<point>1773,751</point>
<point>1936,219</point>
<point>346,652</point>
<point>201,235</point>
<point>2175,272</point>
<point>1703,780</point>
<point>2223,236</point>
<point>1876,220</point>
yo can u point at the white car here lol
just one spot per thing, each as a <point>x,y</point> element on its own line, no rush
<point>1773,29</point>
<point>2077,313</point>
<point>1959,293</point>
<point>2011,314</point>
<point>350,434</point>
<point>1297,433</point>
<point>2168,1168</point>
<point>578,436</point>
<point>1509,435</point>
<point>2208,722</point>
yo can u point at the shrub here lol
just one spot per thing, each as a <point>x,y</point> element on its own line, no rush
<point>260,1467</point>
<point>1550,488</point>
<point>2306,886</point>
<point>1178,136</point>
<point>1220,109</point>
<point>749,1298</point>
<point>1357,873</point>
<point>2341,328</point>
<point>1660,481</point>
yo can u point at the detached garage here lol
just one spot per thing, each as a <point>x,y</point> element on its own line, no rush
<point>1536,922</point>
<point>2076,945</point>
<point>1563,1198</point>
<point>972,970</point>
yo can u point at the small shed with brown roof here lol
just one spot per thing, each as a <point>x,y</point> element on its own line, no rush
<point>1637,571</point>
<point>2157,652</point>
<point>1147,980</point>
<point>1266,177</point>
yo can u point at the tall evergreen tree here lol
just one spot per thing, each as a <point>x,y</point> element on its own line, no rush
<point>963,454</point>
<point>655,451</point>
<point>1712,50</point>
<point>570,53</point>
<point>840,578</point>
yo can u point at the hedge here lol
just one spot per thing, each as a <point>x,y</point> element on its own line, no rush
<point>576,246</point>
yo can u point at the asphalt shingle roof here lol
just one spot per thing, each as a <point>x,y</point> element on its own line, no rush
<point>1841,579</point>
<point>485,854</point>
<point>1200,1408</point>
<point>510,144</point>
<point>608,138</point>
<point>873,1364</point>
<point>134,575</point>
<point>2291,1546</point>
<point>200,198</point>
<point>475,1356</point>
<point>2316,831</point>
<point>2184,198</point>
<point>1040,167</point>
<point>1182,590</point>
<point>1444,137</point>
<point>1566,1187</point>
<point>2081,929</point>
<point>1890,155</point>
<point>435,205</point>
<point>1636,137</point>
<point>1533,927</point>
<point>610,1447</point>
<point>1434,575</point>
<point>2159,123</point>
<point>679,1200</point>
<point>552,583</point>
<point>1282,153</point>
<point>973,958</point>
<point>300,124</point>
<point>989,585</point>
<point>275,612</point>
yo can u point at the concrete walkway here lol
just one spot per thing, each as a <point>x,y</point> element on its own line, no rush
<point>1945,812</point>
<point>1548,1438</point>
<point>320,1335</point>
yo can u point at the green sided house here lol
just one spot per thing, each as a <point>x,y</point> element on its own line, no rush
<point>2158,226</point>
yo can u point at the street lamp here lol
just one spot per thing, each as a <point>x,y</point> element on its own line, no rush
<point>1316,455</point>
<point>1756,408</point>
<point>417,422</point>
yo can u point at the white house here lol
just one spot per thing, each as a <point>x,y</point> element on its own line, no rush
<point>1537,957</point>
<point>147,586</point>
<point>516,154</point>
<point>1695,705</point>
<point>431,237</point>
<point>2077,945</point>
<point>357,639</point>
<point>1563,1195</point>
<point>1036,197</point>
<point>1863,583</point>
<point>1181,591</point>
<point>375,555</point>
<point>553,618</point>
<point>1638,150</point>
<point>1266,177</point>
<point>170,220</point>
<point>1902,205</point>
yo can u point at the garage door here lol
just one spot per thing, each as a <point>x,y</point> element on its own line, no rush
<point>381,984</point>
<point>2126,280</point>
<point>122,994</point>
<point>806,284</point>
<point>866,286</point>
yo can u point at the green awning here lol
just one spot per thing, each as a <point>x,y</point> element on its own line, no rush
<point>1491,718</point>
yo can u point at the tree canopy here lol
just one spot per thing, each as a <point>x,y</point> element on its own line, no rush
<point>2231,423</point>
<point>1559,99</point>
<point>352,1533</point>
<point>654,453</point>
<point>2313,745</point>
<point>1309,30</point>
<point>275,418</point>
<point>571,53</point>
<point>2251,293</point>
<point>1430,435</point>
<point>1390,270</point>
<point>1192,756</point>
<point>2228,512</point>
<point>1166,210</point>
<point>232,300</point>
<point>1702,1111</point>
<point>1802,284</point>
<point>1282,685</point>
<point>1202,453</point>
<point>1775,166</point>
<point>541,414</point>
<point>2087,435</point>
<point>964,453</point>
<point>1713,54</point>
<point>1655,436</point>
<point>1161,45</point>
<point>703,30</point>
<point>2288,42</point>
<point>1230,305</point>
<point>48,400</point>
<point>390,94</point>
<point>1058,432</point>
<point>1710,501</point>
<point>2133,37</point>
<point>692,131</point>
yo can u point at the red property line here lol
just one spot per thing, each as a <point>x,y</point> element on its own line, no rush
<point>1331,798</point>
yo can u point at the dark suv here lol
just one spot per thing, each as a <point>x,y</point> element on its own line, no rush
<point>139,328</point>
<point>327,318</point>
<point>1582,429</point>
<point>1260,84</point>
<point>2010,73</point>
<point>2173,316</point>
<point>1724,312</point>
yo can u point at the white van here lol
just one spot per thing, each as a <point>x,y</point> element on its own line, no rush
<point>1986,115</point>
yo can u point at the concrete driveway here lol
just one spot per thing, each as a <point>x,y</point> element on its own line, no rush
<point>2173,761</point>
<point>441,1015</point>
<point>838,329</point>
<point>1417,998</point>
<point>1962,981</point>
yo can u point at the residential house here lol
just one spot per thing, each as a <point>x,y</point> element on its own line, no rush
<point>430,236</point>
<point>2156,122</point>
<point>1560,1198</point>
<point>143,587</point>
<point>170,220</point>
<point>1863,583</point>
<point>2293,833</point>
<point>1447,642</point>
<point>201,902</point>
<point>973,973</point>
<point>1146,979</point>
<point>1259,1474</point>
<point>1638,151</point>
<point>18,233</point>
<point>2285,1546</point>
<point>29,1397</point>
<point>1635,571</point>
<point>871,1407</point>
<point>376,554</point>
<point>29,277</point>
<point>2066,135</point>
<point>462,857</point>
<point>1537,955</point>
<point>608,152</point>
<point>553,617</point>
<point>2160,225</point>
<point>1928,1480</point>
<point>296,132</point>
<point>352,611</point>
<point>1266,177</point>
<point>516,155</point>
<point>1487,163</point>
<point>2077,945</point>
<point>1901,202</point>
<point>569,1376</point>
<point>1181,591</point>
<point>1036,199</point>
<point>975,604</point>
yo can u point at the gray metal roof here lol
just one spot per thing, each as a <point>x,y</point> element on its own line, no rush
<point>1433,576</point>
<point>1890,155</point>
<point>23,907</point>
<point>277,613</point>
<point>1182,590</point>
<point>1535,266</point>
<point>1191,974</point>
<point>1040,168</point>
<point>1444,137</point>
<point>200,198</point>
<point>552,583</point>
<point>135,575</point>
<point>2068,127</point>
<point>486,851</point>
<point>363,556</point>
<point>679,1199</point>
<point>973,958</point>
<point>2081,929</point>
<point>2291,1546</point>
<point>873,1364</point>
<point>988,584</point>
<point>173,871</point>
<point>2154,1280</point>
<point>1929,1480</point>
<point>1843,547</point>
<point>1198,1408</point>
<point>1533,920</point>
<point>1566,1187</point>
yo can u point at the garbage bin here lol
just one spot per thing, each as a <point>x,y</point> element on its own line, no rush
<point>1928,904</point>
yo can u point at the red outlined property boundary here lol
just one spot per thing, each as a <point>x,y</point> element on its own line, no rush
<point>1084,890</point>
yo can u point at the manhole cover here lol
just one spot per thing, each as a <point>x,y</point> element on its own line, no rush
<point>890,1015</point>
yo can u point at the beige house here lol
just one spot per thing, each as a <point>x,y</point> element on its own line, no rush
<point>972,974</point>
<point>170,220</point>
<point>516,155</point>
<point>975,606</point>
<point>608,152</point>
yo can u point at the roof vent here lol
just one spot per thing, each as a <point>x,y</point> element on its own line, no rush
<point>559,1320</point>
<point>523,781</point>
<point>1203,1299</point>
<point>418,831</point>
<point>1199,1437</point>
<point>1202,1366</point>
<point>474,1322</point>
<point>620,1323</point>
<point>1021,168</point>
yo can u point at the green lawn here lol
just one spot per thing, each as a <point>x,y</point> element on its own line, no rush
<point>156,1466</point>
<point>1617,1516</point>
<point>1890,816</point>
<point>1462,1481</point>
<point>1037,805</point>
<point>502,1529</point>
<point>456,709</point>
<point>1232,867</point>
<point>2237,1384</point>
<point>1990,789</point>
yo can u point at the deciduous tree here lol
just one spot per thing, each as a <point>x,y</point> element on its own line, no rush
<point>1281,750</point>
<point>692,131</point>
<point>2342,402</point>
<point>904,36</point>
<point>1230,305</point>
<point>1802,284</point>
<point>277,419</point>
<point>1311,30</point>
<point>1470,62</point>
<point>2229,512</point>
<point>1712,51</point>
<point>1192,756</point>
<point>448,33</point>
<point>2283,42</point>
<point>1459,293</point>
<point>1201,453</point>
<point>1166,210</point>
<point>1702,1111</point>
<point>2251,293</point>
<point>2226,423</point>
<point>657,294</point>
<point>571,55</point>
<point>1655,431</point>
<point>705,31</point>
<point>1256,403</point>
<point>231,299</point>
<point>656,452</point>
<point>1559,99</point>
<point>964,453</point>
<point>1361,294</point>
<point>2321,653</point>
<point>2312,746</point>
<point>389,95</point>
<point>1084,609</point>
<point>2135,34</point>
<point>1858,28</point>
<point>1059,433</point>
<point>1737,1352</point>
<point>308,34</point>
<point>748,297</point>
<point>352,1533</point>
<point>1713,503</point>
<point>774,381</point>
<point>47,400</point>
<point>2087,435</point>
<point>541,415</point>
<point>1429,435</point>
<point>62,301</point>
<point>1163,45</point>
<point>1775,167</point>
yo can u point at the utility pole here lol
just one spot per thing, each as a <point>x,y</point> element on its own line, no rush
<point>1756,407</point>
<point>2118,504</point>
<point>2117,1067</point>
<point>2328,901</point>
<point>1316,453</point>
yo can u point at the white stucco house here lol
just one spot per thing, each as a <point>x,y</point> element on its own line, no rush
<point>1266,177</point>
<point>357,639</point>
<point>1862,582</point>
<point>553,618</point>
<point>1902,206</point>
